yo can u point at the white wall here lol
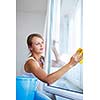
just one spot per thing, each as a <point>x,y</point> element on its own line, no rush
<point>26,22</point>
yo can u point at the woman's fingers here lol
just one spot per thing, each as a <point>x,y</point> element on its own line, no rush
<point>78,56</point>
<point>81,57</point>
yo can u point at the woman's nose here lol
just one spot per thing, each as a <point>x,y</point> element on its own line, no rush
<point>41,45</point>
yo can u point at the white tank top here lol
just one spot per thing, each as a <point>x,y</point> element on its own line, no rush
<point>39,83</point>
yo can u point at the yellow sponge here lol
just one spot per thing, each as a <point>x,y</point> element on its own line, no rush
<point>80,50</point>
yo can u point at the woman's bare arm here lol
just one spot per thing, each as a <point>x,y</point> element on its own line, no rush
<point>50,78</point>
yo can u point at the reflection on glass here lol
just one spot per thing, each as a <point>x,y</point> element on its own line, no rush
<point>65,38</point>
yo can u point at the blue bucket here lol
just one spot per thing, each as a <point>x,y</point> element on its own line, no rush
<point>25,87</point>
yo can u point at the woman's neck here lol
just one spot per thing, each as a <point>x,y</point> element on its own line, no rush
<point>38,59</point>
<point>36,56</point>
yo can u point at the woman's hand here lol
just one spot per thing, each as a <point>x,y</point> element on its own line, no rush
<point>76,58</point>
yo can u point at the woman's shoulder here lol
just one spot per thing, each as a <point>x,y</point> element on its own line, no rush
<point>30,58</point>
<point>27,64</point>
<point>30,62</point>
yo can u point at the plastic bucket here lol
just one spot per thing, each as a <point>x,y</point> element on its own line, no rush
<point>25,88</point>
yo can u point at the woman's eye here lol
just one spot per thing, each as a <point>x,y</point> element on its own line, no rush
<point>42,42</point>
<point>37,43</point>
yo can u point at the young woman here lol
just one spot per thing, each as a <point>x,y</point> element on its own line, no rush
<point>34,63</point>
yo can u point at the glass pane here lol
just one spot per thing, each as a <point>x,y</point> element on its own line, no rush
<point>65,37</point>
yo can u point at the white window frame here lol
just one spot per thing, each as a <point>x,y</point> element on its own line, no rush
<point>56,91</point>
<point>63,93</point>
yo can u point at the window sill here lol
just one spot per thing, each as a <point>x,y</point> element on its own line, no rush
<point>63,93</point>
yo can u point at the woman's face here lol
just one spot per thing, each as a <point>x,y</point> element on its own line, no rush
<point>37,45</point>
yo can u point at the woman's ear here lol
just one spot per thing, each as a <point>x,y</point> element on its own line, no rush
<point>30,48</point>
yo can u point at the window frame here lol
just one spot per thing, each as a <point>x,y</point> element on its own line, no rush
<point>47,34</point>
<point>63,92</point>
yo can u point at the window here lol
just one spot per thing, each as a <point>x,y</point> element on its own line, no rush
<point>64,36</point>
